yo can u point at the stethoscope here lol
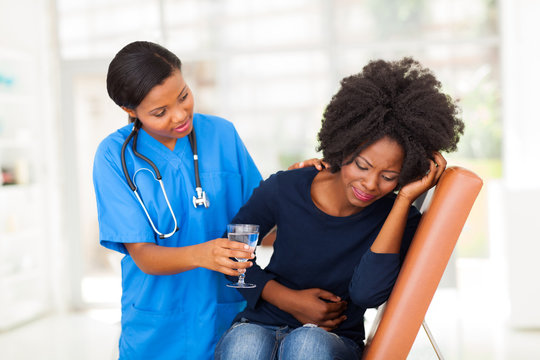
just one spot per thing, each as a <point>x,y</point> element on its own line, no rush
<point>198,200</point>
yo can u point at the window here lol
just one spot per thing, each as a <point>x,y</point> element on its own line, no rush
<point>272,66</point>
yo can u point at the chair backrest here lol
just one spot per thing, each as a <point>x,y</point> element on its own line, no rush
<point>424,265</point>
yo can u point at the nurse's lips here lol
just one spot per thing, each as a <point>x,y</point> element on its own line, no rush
<point>183,127</point>
<point>360,195</point>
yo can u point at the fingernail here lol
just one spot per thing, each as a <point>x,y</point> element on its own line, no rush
<point>246,247</point>
<point>301,164</point>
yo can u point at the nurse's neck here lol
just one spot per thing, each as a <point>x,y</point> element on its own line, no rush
<point>168,142</point>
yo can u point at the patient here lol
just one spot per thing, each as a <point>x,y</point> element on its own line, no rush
<point>342,233</point>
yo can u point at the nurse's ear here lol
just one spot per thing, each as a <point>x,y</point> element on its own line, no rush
<point>130,112</point>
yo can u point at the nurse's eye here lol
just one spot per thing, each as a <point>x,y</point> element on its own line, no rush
<point>160,114</point>
<point>183,97</point>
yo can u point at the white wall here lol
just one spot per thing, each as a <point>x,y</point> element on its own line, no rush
<point>28,54</point>
<point>520,189</point>
<point>519,231</point>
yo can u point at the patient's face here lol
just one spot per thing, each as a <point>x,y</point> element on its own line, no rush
<point>373,173</point>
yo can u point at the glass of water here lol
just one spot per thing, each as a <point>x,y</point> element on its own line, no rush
<point>247,234</point>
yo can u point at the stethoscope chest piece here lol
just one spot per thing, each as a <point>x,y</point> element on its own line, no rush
<point>200,199</point>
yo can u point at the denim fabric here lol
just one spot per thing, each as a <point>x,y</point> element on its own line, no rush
<point>246,340</point>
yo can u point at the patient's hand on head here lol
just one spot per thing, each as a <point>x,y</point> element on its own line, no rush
<point>414,189</point>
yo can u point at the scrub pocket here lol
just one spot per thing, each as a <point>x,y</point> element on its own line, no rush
<point>143,334</point>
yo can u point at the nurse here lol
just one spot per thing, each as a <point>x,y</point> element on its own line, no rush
<point>175,304</point>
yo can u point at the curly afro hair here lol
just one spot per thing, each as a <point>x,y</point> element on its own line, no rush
<point>400,100</point>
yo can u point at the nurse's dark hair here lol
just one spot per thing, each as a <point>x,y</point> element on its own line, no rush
<point>400,100</point>
<point>136,69</point>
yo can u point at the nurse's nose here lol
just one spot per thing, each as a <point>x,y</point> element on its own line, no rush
<point>179,113</point>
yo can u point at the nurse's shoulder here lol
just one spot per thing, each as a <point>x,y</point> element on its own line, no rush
<point>212,125</point>
<point>111,147</point>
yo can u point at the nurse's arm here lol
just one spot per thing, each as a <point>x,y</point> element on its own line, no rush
<point>214,255</point>
<point>318,163</point>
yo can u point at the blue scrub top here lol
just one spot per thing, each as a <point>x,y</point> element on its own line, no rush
<point>178,316</point>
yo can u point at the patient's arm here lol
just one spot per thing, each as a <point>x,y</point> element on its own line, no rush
<point>376,273</point>
<point>314,306</point>
<point>269,238</point>
<point>389,238</point>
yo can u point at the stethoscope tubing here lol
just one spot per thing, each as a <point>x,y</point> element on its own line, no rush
<point>193,142</point>
<point>200,199</point>
<point>161,236</point>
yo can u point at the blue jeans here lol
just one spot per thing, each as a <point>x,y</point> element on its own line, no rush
<point>246,340</point>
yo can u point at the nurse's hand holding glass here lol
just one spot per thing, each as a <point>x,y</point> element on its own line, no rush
<point>217,255</point>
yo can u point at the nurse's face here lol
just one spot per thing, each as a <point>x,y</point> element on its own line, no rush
<point>372,174</point>
<point>166,113</point>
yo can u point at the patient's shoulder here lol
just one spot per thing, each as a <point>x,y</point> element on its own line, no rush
<point>297,177</point>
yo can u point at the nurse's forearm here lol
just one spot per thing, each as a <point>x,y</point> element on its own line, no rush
<point>214,255</point>
<point>159,260</point>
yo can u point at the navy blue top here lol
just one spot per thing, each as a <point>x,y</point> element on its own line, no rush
<point>317,250</point>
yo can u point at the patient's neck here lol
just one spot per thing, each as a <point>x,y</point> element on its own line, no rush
<point>329,194</point>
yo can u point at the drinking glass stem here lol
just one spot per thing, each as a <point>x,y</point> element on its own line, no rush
<point>241,278</point>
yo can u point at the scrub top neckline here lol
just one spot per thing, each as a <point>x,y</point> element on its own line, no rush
<point>155,145</point>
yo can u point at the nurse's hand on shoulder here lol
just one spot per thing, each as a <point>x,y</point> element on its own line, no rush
<point>318,163</point>
<point>216,255</point>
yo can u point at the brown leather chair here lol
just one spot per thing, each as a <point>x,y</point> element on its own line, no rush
<point>397,324</point>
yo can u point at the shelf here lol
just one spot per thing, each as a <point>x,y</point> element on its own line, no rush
<point>8,53</point>
<point>31,275</point>
<point>22,297</point>
<point>18,189</point>
<point>17,235</point>
<point>14,98</point>
<point>25,262</point>
<point>15,144</point>
<point>24,311</point>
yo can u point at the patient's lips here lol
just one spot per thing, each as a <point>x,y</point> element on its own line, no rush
<point>362,196</point>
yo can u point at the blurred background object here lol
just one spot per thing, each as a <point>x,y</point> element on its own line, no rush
<point>270,67</point>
